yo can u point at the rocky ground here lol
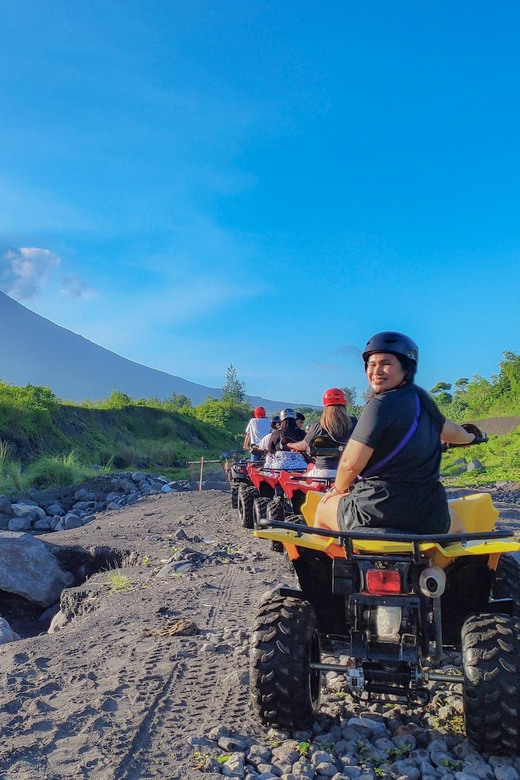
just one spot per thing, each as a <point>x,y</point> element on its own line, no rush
<point>148,677</point>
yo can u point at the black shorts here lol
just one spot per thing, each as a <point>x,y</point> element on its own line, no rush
<point>412,508</point>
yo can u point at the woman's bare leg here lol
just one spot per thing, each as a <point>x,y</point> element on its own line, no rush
<point>327,513</point>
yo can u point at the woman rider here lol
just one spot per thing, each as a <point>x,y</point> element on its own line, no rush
<point>280,457</point>
<point>388,476</point>
<point>334,424</point>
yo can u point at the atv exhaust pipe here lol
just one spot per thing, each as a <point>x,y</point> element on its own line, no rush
<point>432,582</point>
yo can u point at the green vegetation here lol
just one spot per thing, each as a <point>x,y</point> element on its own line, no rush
<point>118,581</point>
<point>46,443</point>
<point>479,398</point>
<point>233,390</point>
<point>500,457</point>
<point>53,471</point>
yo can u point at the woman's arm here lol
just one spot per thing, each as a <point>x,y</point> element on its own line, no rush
<point>455,434</point>
<point>297,446</point>
<point>354,459</point>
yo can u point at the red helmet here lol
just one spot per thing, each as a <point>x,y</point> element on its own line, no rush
<point>259,411</point>
<point>334,397</point>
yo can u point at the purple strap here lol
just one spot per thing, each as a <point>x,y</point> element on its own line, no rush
<point>373,469</point>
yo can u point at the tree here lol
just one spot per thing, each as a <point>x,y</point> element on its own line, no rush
<point>233,390</point>
<point>353,408</point>
<point>442,397</point>
<point>179,401</point>
<point>440,387</point>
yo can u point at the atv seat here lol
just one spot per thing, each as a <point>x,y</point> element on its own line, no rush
<point>326,446</point>
<point>378,531</point>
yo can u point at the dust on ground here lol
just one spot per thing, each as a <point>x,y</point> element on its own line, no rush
<point>117,693</point>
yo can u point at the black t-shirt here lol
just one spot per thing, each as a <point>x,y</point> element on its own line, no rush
<point>405,493</point>
<point>385,421</point>
<point>327,461</point>
<point>295,435</point>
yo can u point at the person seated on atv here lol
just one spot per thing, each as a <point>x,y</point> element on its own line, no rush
<point>261,448</point>
<point>280,456</point>
<point>335,427</point>
<point>256,429</point>
<point>388,475</point>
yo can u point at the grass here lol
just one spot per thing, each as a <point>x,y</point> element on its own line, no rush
<point>49,444</point>
<point>54,471</point>
<point>118,581</point>
<point>500,457</point>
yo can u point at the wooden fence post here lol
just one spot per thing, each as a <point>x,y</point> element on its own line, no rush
<point>201,472</point>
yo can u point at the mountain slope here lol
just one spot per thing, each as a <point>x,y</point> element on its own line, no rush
<point>36,350</point>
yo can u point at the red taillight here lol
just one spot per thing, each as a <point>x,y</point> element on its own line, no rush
<point>383,582</point>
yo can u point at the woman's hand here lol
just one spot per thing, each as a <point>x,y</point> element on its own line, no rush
<point>334,491</point>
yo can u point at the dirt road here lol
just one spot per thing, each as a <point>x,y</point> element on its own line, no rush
<point>113,696</point>
<point>117,693</point>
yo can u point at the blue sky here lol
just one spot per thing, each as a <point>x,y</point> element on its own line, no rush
<point>191,183</point>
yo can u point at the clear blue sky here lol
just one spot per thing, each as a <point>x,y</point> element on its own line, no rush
<point>194,183</point>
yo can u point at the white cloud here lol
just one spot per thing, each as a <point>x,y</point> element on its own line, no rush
<point>74,287</point>
<point>24,271</point>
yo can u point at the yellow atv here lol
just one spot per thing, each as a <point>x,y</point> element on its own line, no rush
<point>396,601</point>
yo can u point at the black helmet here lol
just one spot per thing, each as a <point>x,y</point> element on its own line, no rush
<point>394,343</point>
<point>275,421</point>
<point>285,414</point>
<point>300,416</point>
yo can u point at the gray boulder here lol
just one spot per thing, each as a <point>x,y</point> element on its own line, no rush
<point>6,632</point>
<point>72,521</point>
<point>32,510</point>
<point>83,506</point>
<point>83,495</point>
<point>28,568</point>
<point>4,521</point>
<point>45,524</point>
<point>55,509</point>
<point>20,524</point>
<point>5,506</point>
<point>475,465</point>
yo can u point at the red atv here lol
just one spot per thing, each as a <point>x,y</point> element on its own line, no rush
<point>255,496</point>
<point>294,487</point>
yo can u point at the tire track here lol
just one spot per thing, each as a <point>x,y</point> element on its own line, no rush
<point>112,704</point>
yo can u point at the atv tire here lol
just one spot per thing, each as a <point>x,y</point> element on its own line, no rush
<point>507,579</point>
<point>275,511</point>
<point>284,689</point>
<point>491,667</point>
<point>260,510</point>
<point>234,496</point>
<point>246,498</point>
<point>299,519</point>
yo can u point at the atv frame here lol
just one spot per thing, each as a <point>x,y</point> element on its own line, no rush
<point>396,602</point>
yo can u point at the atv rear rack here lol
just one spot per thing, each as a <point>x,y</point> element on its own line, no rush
<point>346,538</point>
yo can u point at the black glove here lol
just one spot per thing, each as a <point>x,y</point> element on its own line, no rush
<point>481,437</point>
<point>480,434</point>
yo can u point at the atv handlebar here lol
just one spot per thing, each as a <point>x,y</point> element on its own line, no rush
<point>480,435</point>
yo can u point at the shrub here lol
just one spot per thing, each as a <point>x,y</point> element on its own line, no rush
<point>54,471</point>
<point>128,455</point>
<point>165,426</point>
<point>116,400</point>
